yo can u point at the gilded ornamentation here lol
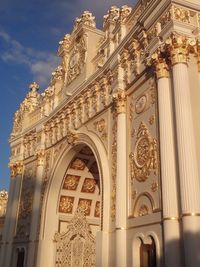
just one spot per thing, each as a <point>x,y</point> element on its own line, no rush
<point>66,204</point>
<point>143,211</point>
<point>64,45</point>
<point>179,47</point>
<point>124,13</point>
<point>136,56</point>
<point>76,246</point>
<point>97,209</point>
<point>85,205</point>
<point>140,104</point>
<point>166,18</point>
<point>152,119</point>
<point>89,185</point>
<point>77,60</point>
<point>154,186</point>
<point>16,168</point>
<point>100,126</point>
<point>71,138</point>
<point>160,65</point>
<point>181,14</point>
<point>134,194</point>
<point>40,154</point>
<point>144,158</point>
<point>112,15</point>
<point>71,182</point>
<point>3,202</point>
<point>120,101</point>
<point>86,19</point>
<point>57,75</point>
<point>26,203</point>
<point>78,164</point>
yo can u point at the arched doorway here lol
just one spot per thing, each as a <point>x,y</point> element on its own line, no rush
<point>56,217</point>
<point>79,205</point>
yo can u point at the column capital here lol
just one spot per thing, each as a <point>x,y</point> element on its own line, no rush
<point>160,65</point>
<point>40,155</point>
<point>119,99</point>
<point>16,168</point>
<point>179,47</point>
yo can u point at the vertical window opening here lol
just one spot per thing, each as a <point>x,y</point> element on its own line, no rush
<point>148,255</point>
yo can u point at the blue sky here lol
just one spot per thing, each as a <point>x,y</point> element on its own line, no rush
<point>29,36</point>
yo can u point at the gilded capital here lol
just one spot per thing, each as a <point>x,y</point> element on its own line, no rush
<point>160,66</point>
<point>20,167</point>
<point>179,47</point>
<point>16,168</point>
<point>13,169</point>
<point>119,99</point>
<point>40,155</point>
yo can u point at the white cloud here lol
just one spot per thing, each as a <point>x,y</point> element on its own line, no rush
<point>40,63</point>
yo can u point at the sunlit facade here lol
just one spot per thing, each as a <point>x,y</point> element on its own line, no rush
<point>105,162</point>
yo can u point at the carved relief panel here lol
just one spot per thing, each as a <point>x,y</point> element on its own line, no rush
<point>26,202</point>
<point>144,153</point>
<point>100,126</point>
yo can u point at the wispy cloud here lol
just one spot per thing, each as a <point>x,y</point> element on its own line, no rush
<point>40,63</point>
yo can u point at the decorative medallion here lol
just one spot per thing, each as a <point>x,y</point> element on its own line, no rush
<point>66,204</point>
<point>85,205</point>
<point>71,182</point>
<point>89,185</point>
<point>140,104</point>
<point>144,158</point>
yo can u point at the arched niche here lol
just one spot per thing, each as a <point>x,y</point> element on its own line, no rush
<point>54,218</point>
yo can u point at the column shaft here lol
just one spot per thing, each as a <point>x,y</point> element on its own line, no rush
<point>188,168</point>
<point>121,183</point>
<point>168,176</point>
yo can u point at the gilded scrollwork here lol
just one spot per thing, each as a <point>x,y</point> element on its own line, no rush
<point>144,158</point>
<point>181,14</point>
<point>119,99</point>
<point>101,127</point>
<point>3,202</point>
<point>76,246</point>
<point>71,138</point>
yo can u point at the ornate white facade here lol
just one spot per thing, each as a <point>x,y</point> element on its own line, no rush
<point>105,162</point>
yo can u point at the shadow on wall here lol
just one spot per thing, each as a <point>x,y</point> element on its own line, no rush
<point>189,251</point>
<point>146,252</point>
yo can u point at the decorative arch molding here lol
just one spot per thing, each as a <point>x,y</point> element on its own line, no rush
<point>49,219</point>
<point>144,205</point>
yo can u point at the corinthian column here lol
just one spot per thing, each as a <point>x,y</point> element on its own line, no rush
<point>35,220</point>
<point>168,168</point>
<point>188,167</point>
<point>121,181</point>
<point>11,214</point>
